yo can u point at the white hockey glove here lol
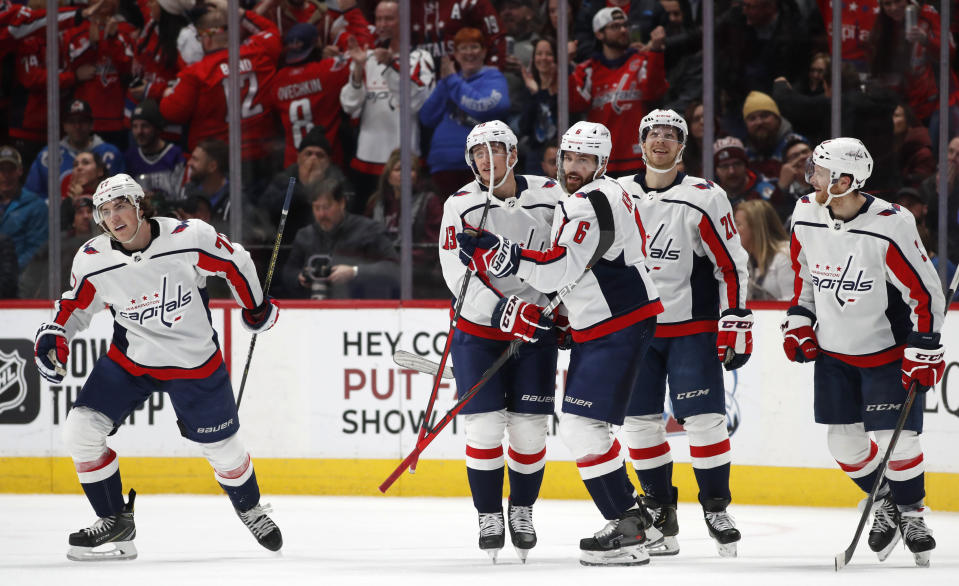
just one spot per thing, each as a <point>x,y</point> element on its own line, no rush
<point>734,342</point>
<point>51,351</point>
<point>261,318</point>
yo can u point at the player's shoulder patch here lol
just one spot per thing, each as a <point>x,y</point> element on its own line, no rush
<point>550,183</point>
<point>704,184</point>
<point>180,227</point>
<point>805,199</point>
<point>891,210</point>
<point>89,248</point>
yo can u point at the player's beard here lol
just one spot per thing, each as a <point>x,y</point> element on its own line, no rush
<point>573,182</point>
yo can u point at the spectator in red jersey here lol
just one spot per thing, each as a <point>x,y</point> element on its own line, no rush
<point>372,96</point>
<point>460,101</point>
<point>340,21</point>
<point>426,213</point>
<point>618,84</point>
<point>856,22</point>
<point>435,24</point>
<point>908,61</point>
<point>767,133</point>
<point>199,96</point>
<point>641,15</point>
<point>105,41</point>
<point>305,92</point>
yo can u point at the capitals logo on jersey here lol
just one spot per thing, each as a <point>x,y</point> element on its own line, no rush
<point>167,307</point>
<point>661,246</point>
<point>847,284</point>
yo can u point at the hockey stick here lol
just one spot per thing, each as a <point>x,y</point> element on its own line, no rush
<point>843,557</point>
<point>607,234</point>
<point>269,279</point>
<point>425,426</point>
<point>420,363</point>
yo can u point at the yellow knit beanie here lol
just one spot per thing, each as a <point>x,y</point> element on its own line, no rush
<point>756,101</point>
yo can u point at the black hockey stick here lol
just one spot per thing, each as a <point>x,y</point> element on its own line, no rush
<point>607,234</point>
<point>843,557</point>
<point>425,426</point>
<point>269,280</point>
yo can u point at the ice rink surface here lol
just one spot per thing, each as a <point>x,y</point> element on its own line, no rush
<point>186,540</point>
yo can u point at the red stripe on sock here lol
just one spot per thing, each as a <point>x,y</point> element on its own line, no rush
<point>873,450</point>
<point>610,455</point>
<point>649,453</point>
<point>236,472</point>
<point>103,461</point>
<point>484,454</point>
<point>526,458</point>
<point>710,450</point>
<point>899,465</point>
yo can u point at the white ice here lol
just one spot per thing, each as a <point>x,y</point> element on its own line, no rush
<point>186,540</point>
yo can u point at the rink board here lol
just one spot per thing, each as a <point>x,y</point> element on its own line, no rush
<point>326,411</point>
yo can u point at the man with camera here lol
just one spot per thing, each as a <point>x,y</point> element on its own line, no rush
<point>341,255</point>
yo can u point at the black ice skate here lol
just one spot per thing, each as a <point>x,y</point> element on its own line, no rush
<point>492,536</point>
<point>262,526</point>
<point>621,542</point>
<point>109,538</point>
<point>721,526</point>
<point>521,530</point>
<point>917,537</point>
<point>666,521</point>
<point>884,534</point>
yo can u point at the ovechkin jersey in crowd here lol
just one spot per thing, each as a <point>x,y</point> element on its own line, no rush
<point>618,291</point>
<point>693,252</point>
<point>525,219</point>
<point>199,94</point>
<point>158,296</point>
<point>868,280</point>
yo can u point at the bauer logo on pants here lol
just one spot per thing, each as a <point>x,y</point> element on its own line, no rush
<point>19,382</point>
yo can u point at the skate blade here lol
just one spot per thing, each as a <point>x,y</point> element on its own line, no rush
<point>631,555</point>
<point>922,558</point>
<point>492,553</point>
<point>668,546</point>
<point>118,550</point>
<point>521,553</point>
<point>727,550</point>
<point>885,552</point>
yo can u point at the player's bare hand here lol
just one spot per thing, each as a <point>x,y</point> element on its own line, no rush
<point>342,274</point>
<point>86,72</point>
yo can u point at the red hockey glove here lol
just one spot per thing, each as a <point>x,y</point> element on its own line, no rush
<point>922,361</point>
<point>799,338</point>
<point>488,253</point>
<point>51,351</point>
<point>261,318</point>
<point>524,320</point>
<point>734,342</point>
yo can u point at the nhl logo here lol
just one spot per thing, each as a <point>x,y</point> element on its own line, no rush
<point>13,384</point>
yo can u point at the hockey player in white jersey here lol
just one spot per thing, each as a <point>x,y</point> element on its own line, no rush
<point>867,310</point>
<point>151,274</point>
<point>518,401</point>
<point>612,314</point>
<point>700,269</point>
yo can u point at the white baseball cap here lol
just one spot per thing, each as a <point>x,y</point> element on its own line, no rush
<point>606,16</point>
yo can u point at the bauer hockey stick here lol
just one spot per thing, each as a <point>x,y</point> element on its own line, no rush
<point>607,234</point>
<point>425,426</point>
<point>269,279</point>
<point>843,557</point>
<point>420,363</point>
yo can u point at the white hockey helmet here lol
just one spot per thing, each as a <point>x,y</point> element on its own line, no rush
<point>120,185</point>
<point>590,138</point>
<point>486,133</point>
<point>841,156</point>
<point>663,118</point>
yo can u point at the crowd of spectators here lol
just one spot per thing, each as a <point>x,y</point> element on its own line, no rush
<point>144,88</point>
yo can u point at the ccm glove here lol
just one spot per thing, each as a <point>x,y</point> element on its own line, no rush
<point>922,361</point>
<point>524,320</point>
<point>262,317</point>
<point>734,342</point>
<point>51,351</point>
<point>799,338</point>
<point>488,253</point>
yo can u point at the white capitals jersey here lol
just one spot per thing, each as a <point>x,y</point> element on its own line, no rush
<point>693,252</point>
<point>158,296</point>
<point>524,219</point>
<point>618,291</point>
<point>868,280</point>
